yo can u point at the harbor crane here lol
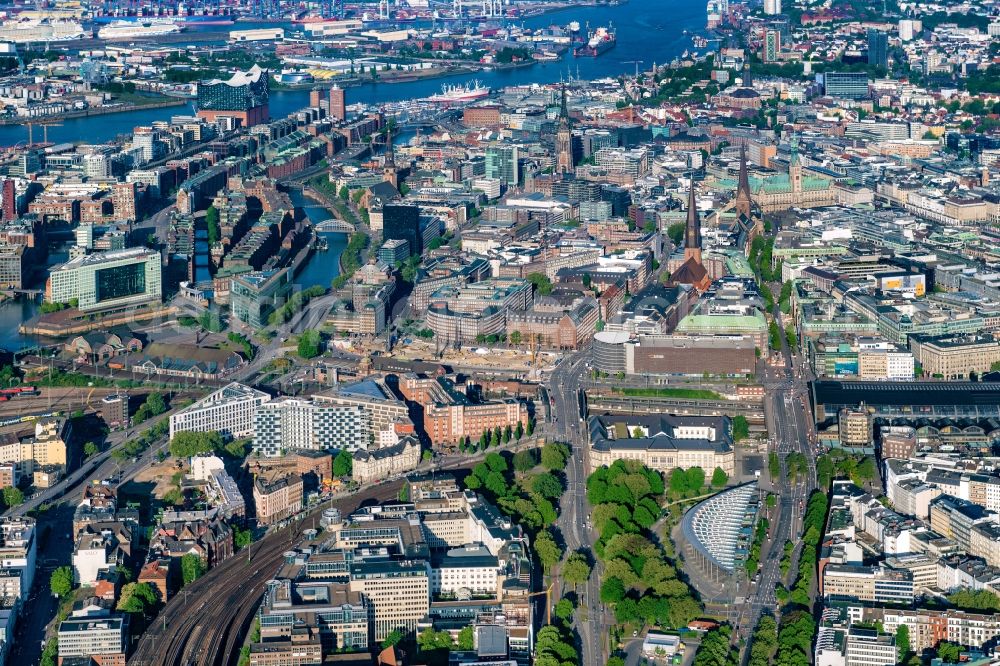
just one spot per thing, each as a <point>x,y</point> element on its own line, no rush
<point>636,63</point>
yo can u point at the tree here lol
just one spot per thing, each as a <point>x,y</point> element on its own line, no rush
<point>515,338</point>
<point>138,598</point>
<point>950,653</point>
<point>188,444</point>
<point>343,464</point>
<point>576,570</point>
<point>902,643</point>
<point>741,428</point>
<point>309,344</point>
<point>676,232</point>
<point>12,496</point>
<point>563,610</point>
<point>554,456</point>
<point>212,225</point>
<point>612,590</point>
<point>525,461</point>
<point>192,568</point>
<point>242,537</point>
<point>719,478</point>
<point>61,581</point>
<point>543,285</point>
<point>394,637</point>
<point>547,486</point>
<point>90,449</point>
<point>548,551</point>
<point>865,471</point>
<point>344,193</point>
<point>518,431</point>
<point>466,638</point>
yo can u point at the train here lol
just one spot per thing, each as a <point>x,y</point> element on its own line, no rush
<point>8,393</point>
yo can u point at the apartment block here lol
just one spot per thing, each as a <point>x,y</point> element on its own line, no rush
<point>230,411</point>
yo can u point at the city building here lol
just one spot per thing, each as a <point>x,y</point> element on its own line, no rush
<point>663,442</point>
<point>293,424</point>
<point>254,296</point>
<point>402,222</point>
<point>955,357</point>
<point>847,85</point>
<point>399,592</point>
<point>502,163</point>
<point>242,99</point>
<point>386,462</point>
<point>114,410</point>
<point>100,638</point>
<point>868,647</point>
<point>277,499</point>
<point>107,280</point>
<point>716,533</point>
<point>230,411</point>
<point>878,48</point>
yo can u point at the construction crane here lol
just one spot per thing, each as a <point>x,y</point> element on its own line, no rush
<point>548,602</point>
<point>636,63</point>
<point>45,131</point>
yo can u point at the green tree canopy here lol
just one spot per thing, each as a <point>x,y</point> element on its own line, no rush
<point>343,464</point>
<point>192,568</point>
<point>187,444</point>
<point>61,581</point>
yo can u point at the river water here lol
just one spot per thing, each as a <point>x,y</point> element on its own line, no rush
<point>648,30</point>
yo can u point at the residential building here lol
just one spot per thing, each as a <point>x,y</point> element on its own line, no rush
<point>278,499</point>
<point>292,424</point>
<point>101,639</point>
<point>230,411</point>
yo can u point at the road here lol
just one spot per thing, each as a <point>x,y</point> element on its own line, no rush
<point>563,385</point>
<point>790,430</point>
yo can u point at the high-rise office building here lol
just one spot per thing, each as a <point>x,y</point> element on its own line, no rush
<point>9,202</point>
<point>772,7</point>
<point>338,103</point>
<point>772,45</point>
<point>402,221</point>
<point>878,48</point>
<point>501,162</point>
<point>316,97</point>
<point>244,98</point>
<point>846,85</point>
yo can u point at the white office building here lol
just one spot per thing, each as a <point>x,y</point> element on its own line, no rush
<point>230,411</point>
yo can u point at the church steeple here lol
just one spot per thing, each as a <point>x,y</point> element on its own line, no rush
<point>564,139</point>
<point>692,230</point>
<point>390,173</point>
<point>744,199</point>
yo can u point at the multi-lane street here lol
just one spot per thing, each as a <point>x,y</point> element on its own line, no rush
<point>563,385</point>
<point>789,431</point>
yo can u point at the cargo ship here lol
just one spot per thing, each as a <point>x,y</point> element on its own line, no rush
<point>138,29</point>
<point>460,94</point>
<point>599,41</point>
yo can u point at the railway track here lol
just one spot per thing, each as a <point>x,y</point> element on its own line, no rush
<point>211,632</point>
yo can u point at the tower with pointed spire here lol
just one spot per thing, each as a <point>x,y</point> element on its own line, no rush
<point>795,167</point>
<point>692,272</point>
<point>743,203</point>
<point>564,139</point>
<point>390,173</point>
<point>692,229</point>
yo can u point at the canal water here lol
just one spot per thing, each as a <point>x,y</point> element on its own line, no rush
<point>320,269</point>
<point>648,31</point>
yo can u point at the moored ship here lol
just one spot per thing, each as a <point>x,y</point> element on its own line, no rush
<point>459,94</point>
<point>137,29</point>
<point>41,30</point>
<point>599,41</point>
